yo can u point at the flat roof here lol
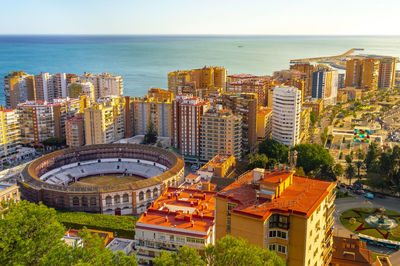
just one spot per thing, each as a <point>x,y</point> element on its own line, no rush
<point>4,186</point>
<point>302,197</point>
<point>180,210</point>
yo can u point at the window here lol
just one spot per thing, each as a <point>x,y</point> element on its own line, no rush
<point>75,201</point>
<point>108,200</point>
<point>272,247</point>
<point>280,221</point>
<point>84,201</point>
<point>93,201</point>
<point>282,249</point>
<point>278,233</point>
<point>171,238</point>
<point>228,217</point>
<point>180,239</point>
<point>141,195</point>
<point>117,199</point>
<point>148,194</point>
<point>155,192</point>
<point>125,198</point>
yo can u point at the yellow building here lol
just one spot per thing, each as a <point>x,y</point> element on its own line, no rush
<point>220,133</point>
<point>9,192</point>
<point>79,88</point>
<point>316,105</point>
<point>10,133</point>
<point>160,94</point>
<point>289,214</point>
<point>198,82</point>
<point>105,121</point>
<point>157,109</point>
<point>219,166</point>
<point>19,87</point>
<point>264,123</point>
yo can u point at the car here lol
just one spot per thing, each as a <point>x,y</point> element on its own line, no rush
<point>369,195</point>
<point>381,196</point>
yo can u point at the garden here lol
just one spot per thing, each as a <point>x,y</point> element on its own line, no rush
<point>378,223</point>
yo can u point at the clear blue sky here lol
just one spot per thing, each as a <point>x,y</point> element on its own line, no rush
<point>300,17</point>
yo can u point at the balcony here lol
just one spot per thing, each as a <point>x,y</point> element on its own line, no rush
<point>330,211</point>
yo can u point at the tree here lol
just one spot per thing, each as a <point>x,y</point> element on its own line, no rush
<point>348,159</point>
<point>184,256</point>
<point>300,171</point>
<point>358,164</point>
<point>54,141</point>
<point>350,172</point>
<point>31,235</point>
<point>274,150</point>
<point>371,157</point>
<point>151,134</point>
<point>258,161</point>
<point>360,154</point>
<point>338,169</point>
<point>312,156</point>
<point>233,251</point>
<point>313,117</point>
<point>325,172</point>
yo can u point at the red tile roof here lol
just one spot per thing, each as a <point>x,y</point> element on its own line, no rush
<point>302,197</point>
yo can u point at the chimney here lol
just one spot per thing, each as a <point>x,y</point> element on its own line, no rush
<point>258,174</point>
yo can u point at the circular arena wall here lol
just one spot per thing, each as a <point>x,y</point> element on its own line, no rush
<point>49,178</point>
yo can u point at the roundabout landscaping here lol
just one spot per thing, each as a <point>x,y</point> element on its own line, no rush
<point>378,223</point>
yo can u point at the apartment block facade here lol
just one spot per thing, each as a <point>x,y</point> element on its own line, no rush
<point>10,133</point>
<point>220,133</point>
<point>277,210</point>
<point>105,121</point>
<point>186,115</point>
<point>286,115</point>
<point>19,87</point>
<point>325,86</point>
<point>75,130</point>
<point>105,84</point>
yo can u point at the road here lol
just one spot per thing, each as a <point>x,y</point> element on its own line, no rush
<point>360,202</point>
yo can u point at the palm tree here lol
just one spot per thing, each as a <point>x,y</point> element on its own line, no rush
<point>350,172</point>
<point>358,165</point>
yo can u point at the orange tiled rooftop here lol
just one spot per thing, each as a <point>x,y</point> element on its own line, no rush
<point>181,208</point>
<point>258,199</point>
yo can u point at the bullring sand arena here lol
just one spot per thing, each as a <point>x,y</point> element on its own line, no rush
<point>121,179</point>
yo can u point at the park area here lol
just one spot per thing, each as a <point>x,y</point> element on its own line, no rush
<point>378,223</point>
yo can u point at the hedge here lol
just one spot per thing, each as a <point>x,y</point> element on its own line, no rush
<point>121,226</point>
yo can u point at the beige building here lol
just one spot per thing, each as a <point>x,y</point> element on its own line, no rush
<point>264,124</point>
<point>105,121</point>
<point>9,192</point>
<point>80,87</point>
<point>105,84</point>
<point>10,133</point>
<point>19,87</point>
<point>154,109</point>
<point>220,133</point>
<point>186,114</point>
<point>198,82</point>
<point>288,214</point>
<point>50,86</point>
<point>41,120</point>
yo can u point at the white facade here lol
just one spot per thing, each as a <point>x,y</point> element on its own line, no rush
<point>286,108</point>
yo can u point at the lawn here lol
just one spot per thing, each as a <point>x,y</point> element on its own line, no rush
<point>353,220</point>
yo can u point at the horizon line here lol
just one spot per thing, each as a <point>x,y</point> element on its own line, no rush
<point>203,35</point>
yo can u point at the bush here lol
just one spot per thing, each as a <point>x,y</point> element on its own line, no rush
<point>121,226</point>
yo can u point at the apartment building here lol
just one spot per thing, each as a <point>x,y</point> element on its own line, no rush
<point>325,86</point>
<point>10,133</point>
<point>308,69</point>
<point>41,120</point>
<point>245,105</point>
<point>186,115</point>
<point>105,84</point>
<point>362,73</point>
<point>198,82</point>
<point>180,216</point>
<point>50,86</point>
<point>286,115</point>
<point>105,121</point>
<point>19,87</point>
<point>387,72</point>
<point>288,214</point>
<point>81,87</point>
<point>155,110</point>
<point>8,192</point>
<point>264,124</point>
<point>75,130</point>
<point>220,133</point>
<point>251,84</point>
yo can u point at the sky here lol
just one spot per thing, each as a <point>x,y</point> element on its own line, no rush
<point>230,17</point>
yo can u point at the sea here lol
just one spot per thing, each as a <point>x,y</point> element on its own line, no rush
<point>145,61</point>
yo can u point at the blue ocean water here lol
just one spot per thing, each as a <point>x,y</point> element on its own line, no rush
<point>144,61</point>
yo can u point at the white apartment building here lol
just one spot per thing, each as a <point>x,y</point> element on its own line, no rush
<point>105,84</point>
<point>286,108</point>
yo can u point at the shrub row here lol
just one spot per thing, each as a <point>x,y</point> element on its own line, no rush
<point>121,226</point>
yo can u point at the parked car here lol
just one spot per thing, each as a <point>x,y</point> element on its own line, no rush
<point>369,195</point>
<point>381,196</point>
